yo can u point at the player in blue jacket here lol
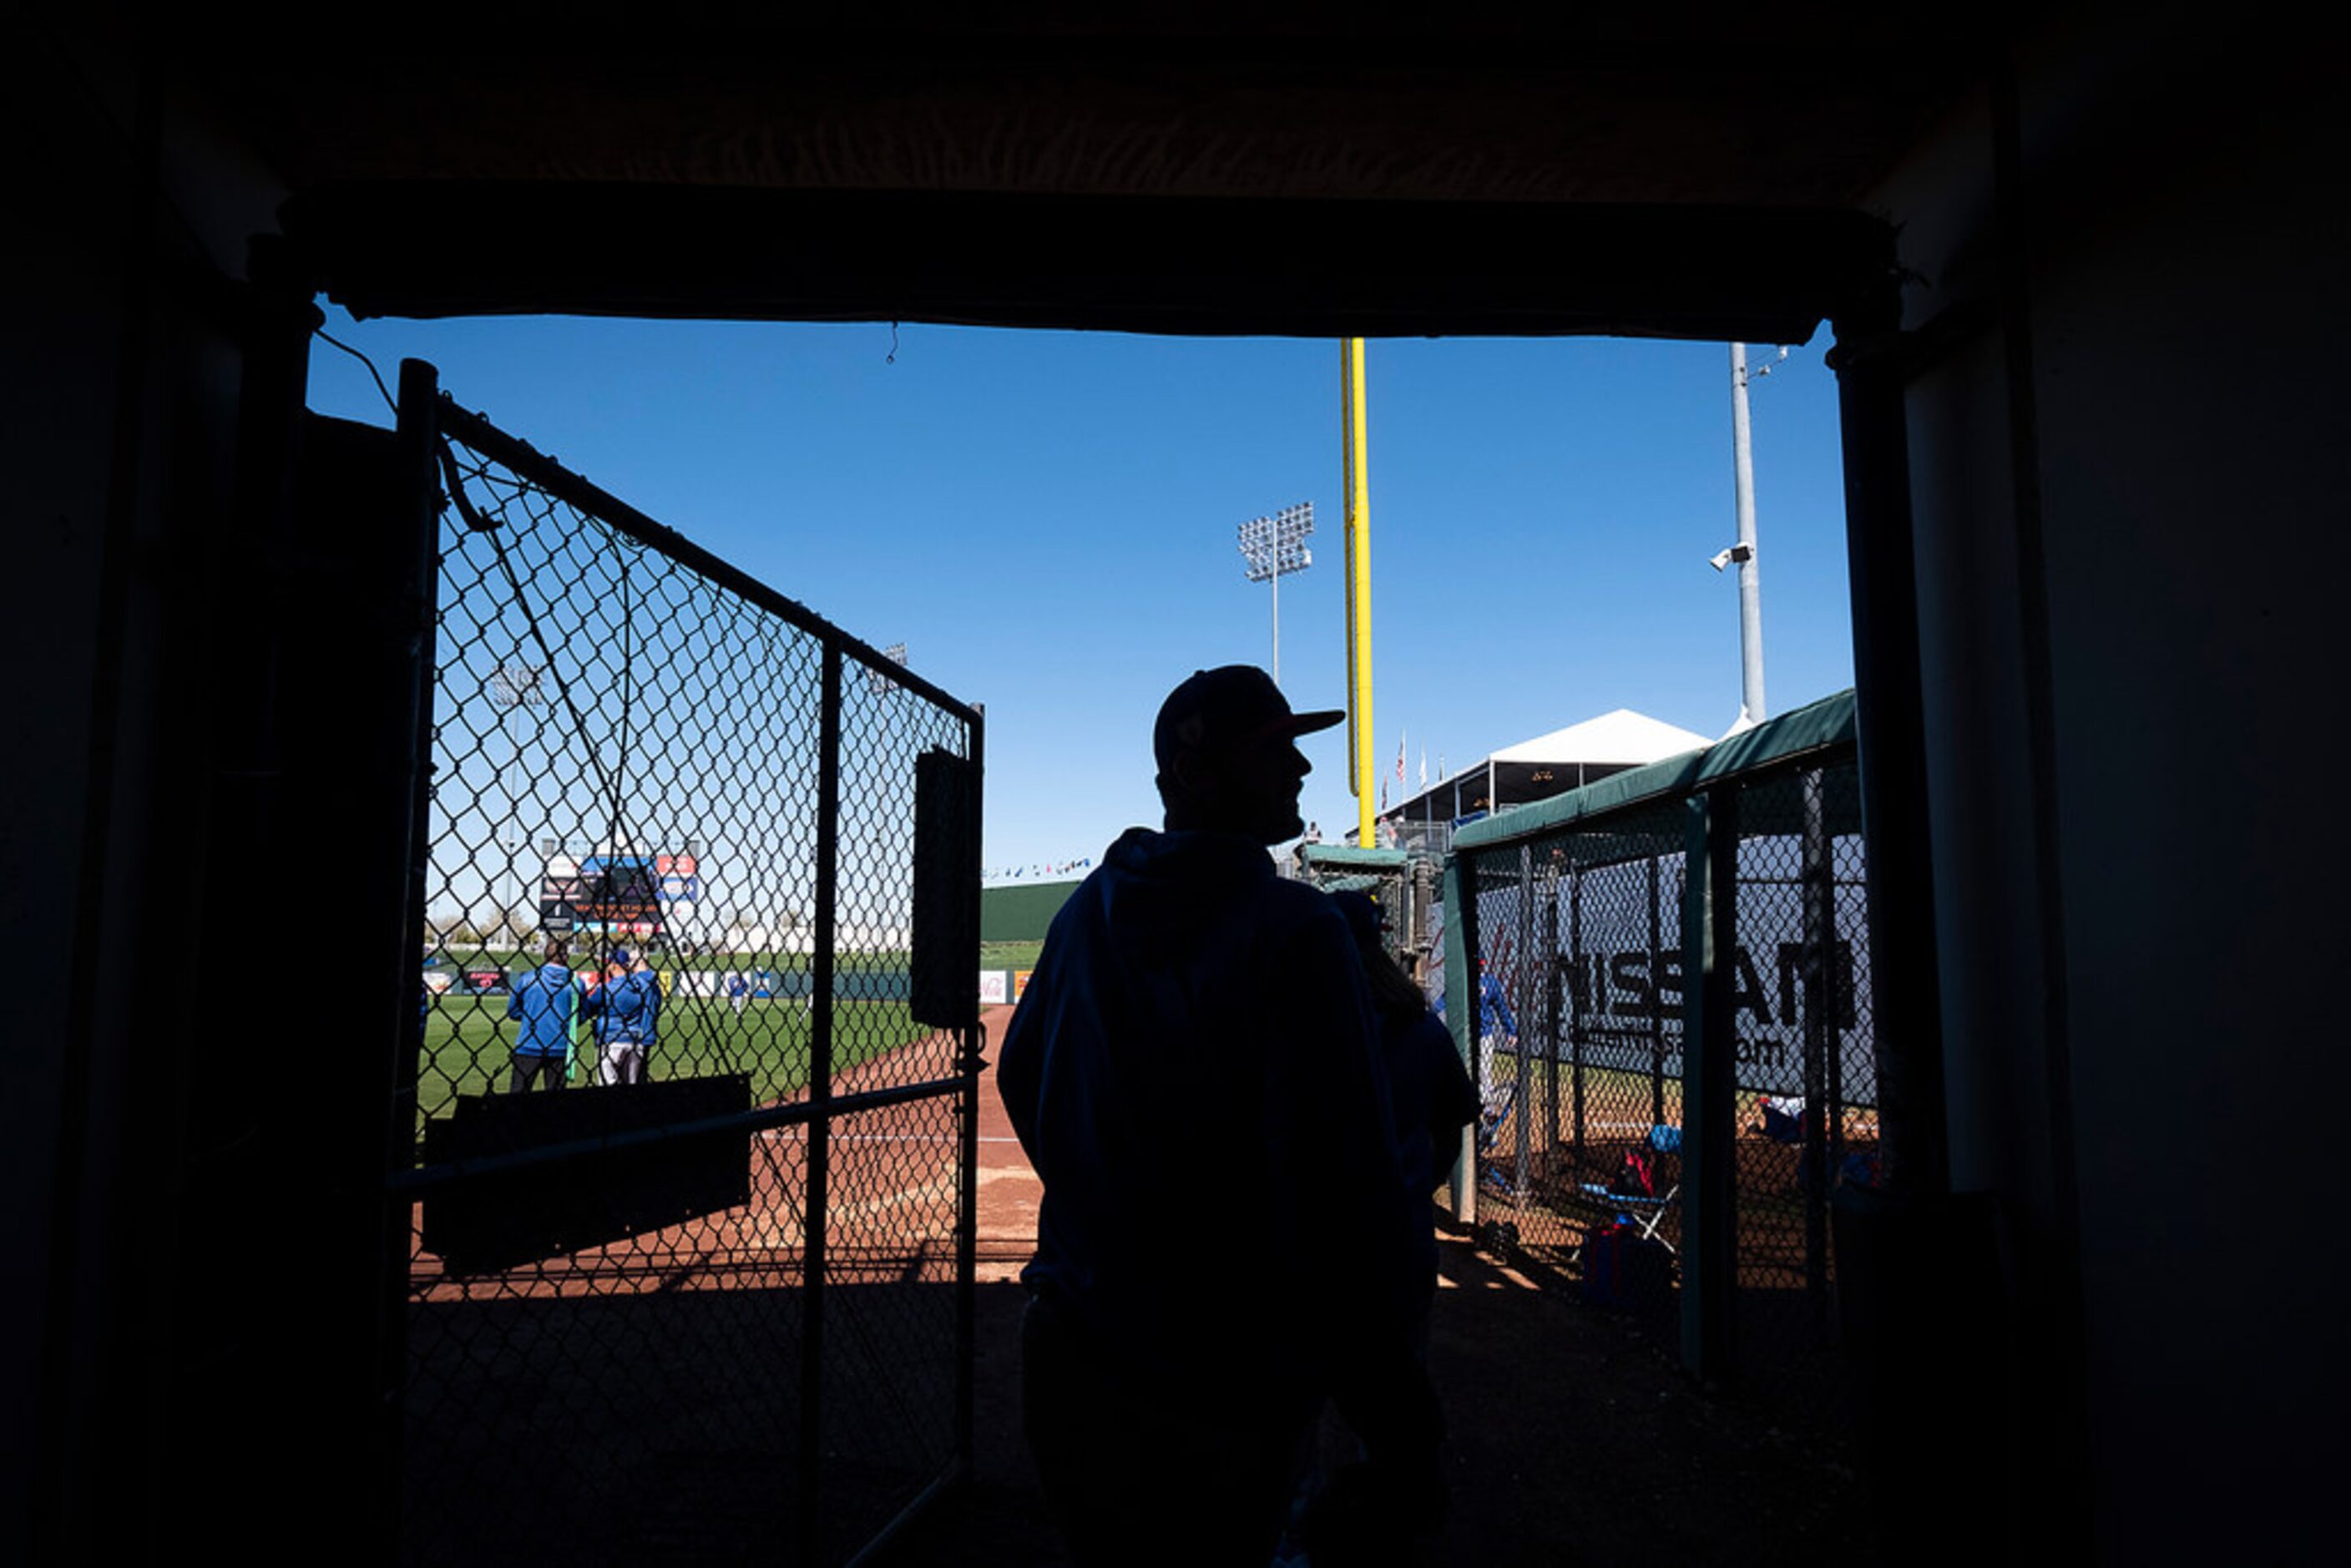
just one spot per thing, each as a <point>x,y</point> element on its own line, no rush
<point>627,1011</point>
<point>1497,1031</point>
<point>543,1002</point>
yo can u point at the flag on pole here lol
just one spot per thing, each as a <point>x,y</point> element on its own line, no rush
<point>1424,768</point>
<point>1400,740</point>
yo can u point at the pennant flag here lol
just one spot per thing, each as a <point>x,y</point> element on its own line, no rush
<point>1400,739</point>
<point>1424,768</point>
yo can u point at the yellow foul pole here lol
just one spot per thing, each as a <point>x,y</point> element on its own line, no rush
<point>1362,777</point>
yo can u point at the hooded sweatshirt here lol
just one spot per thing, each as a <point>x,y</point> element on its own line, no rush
<point>544,1003</point>
<point>1196,1073</point>
<point>626,1008</point>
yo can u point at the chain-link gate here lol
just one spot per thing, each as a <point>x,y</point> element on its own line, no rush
<point>1806,1072</point>
<point>686,1135</point>
<point>1574,972</point>
<point>1577,1054</point>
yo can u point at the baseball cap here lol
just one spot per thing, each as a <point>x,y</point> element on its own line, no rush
<point>623,955</point>
<point>1229,709</point>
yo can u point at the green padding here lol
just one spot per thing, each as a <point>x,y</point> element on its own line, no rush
<point>1816,726</point>
<point>1349,857</point>
<point>1813,727</point>
<point>1021,914</point>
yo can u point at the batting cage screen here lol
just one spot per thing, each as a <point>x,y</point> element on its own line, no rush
<point>1607,941</point>
<point>683,1139</point>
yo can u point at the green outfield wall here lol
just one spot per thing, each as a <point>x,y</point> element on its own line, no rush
<point>1022,911</point>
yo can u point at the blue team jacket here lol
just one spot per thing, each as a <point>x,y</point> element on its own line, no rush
<point>544,1002</point>
<point>627,1009</point>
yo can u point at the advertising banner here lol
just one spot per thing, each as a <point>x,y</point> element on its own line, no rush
<point>992,987</point>
<point>1619,987</point>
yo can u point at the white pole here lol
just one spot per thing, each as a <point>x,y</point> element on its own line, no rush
<point>1277,615</point>
<point>1750,593</point>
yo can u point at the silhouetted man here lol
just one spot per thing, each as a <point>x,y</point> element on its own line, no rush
<point>1226,1236</point>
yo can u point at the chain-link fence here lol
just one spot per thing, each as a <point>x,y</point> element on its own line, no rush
<point>692,1103</point>
<point>1575,968</point>
<point>1387,877</point>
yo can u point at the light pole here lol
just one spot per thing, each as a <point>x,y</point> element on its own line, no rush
<point>513,687</point>
<point>1271,546</point>
<point>1750,593</point>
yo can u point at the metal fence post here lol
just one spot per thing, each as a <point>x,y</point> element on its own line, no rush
<point>1460,988</point>
<point>1553,979</point>
<point>1656,998</point>
<point>1581,990</point>
<point>967,1066</point>
<point>819,1129</point>
<point>1822,1111</point>
<point>1523,1093</point>
<point>418,426</point>
<point>1709,1049</point>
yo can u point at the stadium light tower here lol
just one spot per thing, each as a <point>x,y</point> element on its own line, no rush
<point>1271,546</point>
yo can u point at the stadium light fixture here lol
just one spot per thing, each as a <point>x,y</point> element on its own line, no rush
<point>1272,546</point>
<point>875,680</point>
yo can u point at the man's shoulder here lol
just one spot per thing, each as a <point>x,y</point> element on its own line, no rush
<point>1279,899</point>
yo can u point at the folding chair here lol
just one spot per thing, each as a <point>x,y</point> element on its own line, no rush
<point>1647,1209</point>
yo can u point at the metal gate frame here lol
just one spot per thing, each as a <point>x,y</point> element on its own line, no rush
<point>427,418</point>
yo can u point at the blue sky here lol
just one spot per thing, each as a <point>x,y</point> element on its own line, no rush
<point>1047,520</point>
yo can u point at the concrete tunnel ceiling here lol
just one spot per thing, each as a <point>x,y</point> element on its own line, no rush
<point>1551,178</point>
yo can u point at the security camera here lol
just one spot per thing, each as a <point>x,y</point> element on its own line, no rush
<point>1719,559</point>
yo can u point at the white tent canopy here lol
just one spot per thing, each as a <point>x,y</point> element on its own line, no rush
<point>1535,769</point>
<point>1623,738</point>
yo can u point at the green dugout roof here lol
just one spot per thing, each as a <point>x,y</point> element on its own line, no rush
<point>1347,857</point>
<point>1816,726</point>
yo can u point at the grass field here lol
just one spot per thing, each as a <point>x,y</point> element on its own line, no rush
<point>469,1045</point>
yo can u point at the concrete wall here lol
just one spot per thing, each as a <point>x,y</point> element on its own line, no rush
<point>2131,803</point>
<point>125,369</point>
